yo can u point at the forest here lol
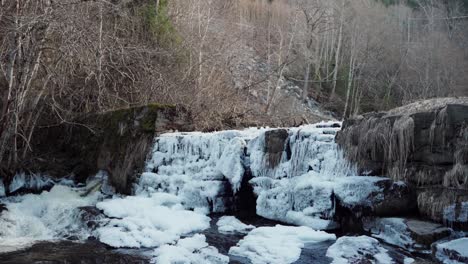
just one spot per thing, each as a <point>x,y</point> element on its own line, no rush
<point>231,63</point>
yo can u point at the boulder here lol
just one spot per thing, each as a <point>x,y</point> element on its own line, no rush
<point>410,234</point>
<point>424,144</point>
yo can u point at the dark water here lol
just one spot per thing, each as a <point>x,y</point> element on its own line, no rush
<point>93,252</point>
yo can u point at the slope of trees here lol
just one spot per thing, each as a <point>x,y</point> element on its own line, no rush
<point>232,63</point>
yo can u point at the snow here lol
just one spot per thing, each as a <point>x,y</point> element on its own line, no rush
<point>278,244</point>
<point>153,221</point>
<point>53,214</point>
<point>229,224</point>
<point>356,249</point>
<point>391,230</point>
<point>453,252</point>
<point>35,182</point>
<point>193,250</point>
<point>2,189</point>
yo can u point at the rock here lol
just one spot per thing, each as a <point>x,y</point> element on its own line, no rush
<point>275,142</point>
<point>67,252</point>
<point>387,199</point>
<point>455,251</point>
<point>116,142</point>
<point>2,208</point>
<point>444,205</point>
<point>426,233</point>
<point>424,144</point>
<point>410,234</point>
<point>91,215</point>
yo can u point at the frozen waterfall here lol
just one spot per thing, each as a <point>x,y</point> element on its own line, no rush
<point>296,184</point>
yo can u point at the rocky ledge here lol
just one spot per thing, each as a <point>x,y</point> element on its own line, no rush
<point>424,145</point>
<point>116,142</point>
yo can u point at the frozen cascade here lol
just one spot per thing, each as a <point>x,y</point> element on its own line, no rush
<point>195,167</point>
<point>299,189</point>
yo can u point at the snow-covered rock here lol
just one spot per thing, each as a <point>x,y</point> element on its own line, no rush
<point>362,249</point>
<point>278,244</point>
<point>452,252</point>
<point>409,234</point>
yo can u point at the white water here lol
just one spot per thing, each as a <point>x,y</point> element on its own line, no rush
<point>50,215</point>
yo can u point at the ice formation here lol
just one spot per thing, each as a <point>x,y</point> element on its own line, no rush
<point>196,165</point>
<point>34,182</point>
<point>452,214</point>
<point>278,244</point>
<point>138,221</point>
<point>229,224</point>
<point>363,249</point>
<point>192,250</point>
<point>299,189</point>
<point>391,230</point>
<point>2,189</point>
<point>453,252</point>
<point>53,214</point>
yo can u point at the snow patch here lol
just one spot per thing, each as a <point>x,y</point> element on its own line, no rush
<point>358,249</point>
<point>192,250</point>
<point>269,244</point>
<point>229,224</point>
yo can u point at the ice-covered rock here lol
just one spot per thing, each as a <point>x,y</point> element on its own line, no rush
<point>278,244</point>
<point>406,233</point>
<point>229,224</point>
<point>193,250</point>
<point>452,252</point>
<point>362,249</point>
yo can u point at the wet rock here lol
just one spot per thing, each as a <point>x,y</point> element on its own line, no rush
<point>91,216</point>
<point>426,233</point>
<point>410,234</point>
<point>398,199</point>
<point>455,251</point>
<point>67,252</point>
<point>387,199</point>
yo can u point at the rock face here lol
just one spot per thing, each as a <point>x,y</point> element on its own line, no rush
<point>116,142</point>
<point>424,144</point>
